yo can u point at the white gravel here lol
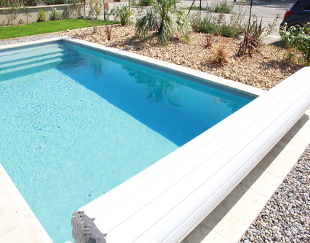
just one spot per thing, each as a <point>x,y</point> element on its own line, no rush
<point>28,38</point>
<point>286,217</point>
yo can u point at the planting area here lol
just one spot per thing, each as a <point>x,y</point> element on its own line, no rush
<point>264,69</point>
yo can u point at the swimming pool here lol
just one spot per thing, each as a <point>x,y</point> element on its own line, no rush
<point>77,122</point>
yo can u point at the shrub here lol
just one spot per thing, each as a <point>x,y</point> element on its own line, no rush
<point>161,18</point>
<point>228,31</point>
<point>10,3</point>
<point>205,25</point>
<point>41,16</point>
<point>216,25</point>
<point>66,13</point>
<point>124,13</point>
<point>146,2</point>
<point>30,3</point>
<point>296,39</point>
<point>11,13</point>
<point>94,11</point>
<point>253,35</point>
<point>224,7</point>
<point>55,15</point>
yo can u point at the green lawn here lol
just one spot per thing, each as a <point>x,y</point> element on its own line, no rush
<point>7,32</point>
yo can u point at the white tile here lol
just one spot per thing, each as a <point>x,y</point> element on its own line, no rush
<point>214,237</point>
<point>231,218</point>
<point>278,167</point>
<point>262,182</point>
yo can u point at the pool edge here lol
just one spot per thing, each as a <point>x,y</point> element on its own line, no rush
<point>18,224</point>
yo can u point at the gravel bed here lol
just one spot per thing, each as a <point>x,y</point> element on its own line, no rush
<point>28,38</point>
<point>285,217</point>
<point>264,70</point>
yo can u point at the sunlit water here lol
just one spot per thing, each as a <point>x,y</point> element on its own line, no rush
<point>75,123</point>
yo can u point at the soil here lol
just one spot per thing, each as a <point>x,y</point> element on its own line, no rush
<point>264,69</point>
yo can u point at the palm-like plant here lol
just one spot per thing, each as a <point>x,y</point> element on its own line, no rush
<point>161,18</point>
<point>124,13</point>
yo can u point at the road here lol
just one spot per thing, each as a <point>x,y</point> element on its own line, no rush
<point>267,10</point>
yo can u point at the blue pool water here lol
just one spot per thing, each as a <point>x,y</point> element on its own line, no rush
<point>75,123</point>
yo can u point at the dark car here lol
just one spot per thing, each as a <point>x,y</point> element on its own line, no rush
<point>299,14</point>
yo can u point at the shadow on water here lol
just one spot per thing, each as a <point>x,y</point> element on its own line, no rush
<point>158,102</point>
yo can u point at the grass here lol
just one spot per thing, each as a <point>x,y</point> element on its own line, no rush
<point>7,32</point>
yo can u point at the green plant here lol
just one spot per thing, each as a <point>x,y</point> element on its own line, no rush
<point>162,18</point>
<point>55,15</point>
<point>30,2</point>
<point>41,16</point>
<point>145,2</point>
<point>205,25</point>
<point>95,8</point>
<point>11,11</point>
<point>134,3</point>
<point>296,39</point>
<point>4,3</point>
<point>216,25</point>
<point>224,7</point>
<point>16,3</point>
<point>234,25</point>
<point>124,13</point>
<point>66,13</point>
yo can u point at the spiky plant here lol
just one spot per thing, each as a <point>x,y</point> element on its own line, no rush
<point>124,13</point>
<point>161,18</point>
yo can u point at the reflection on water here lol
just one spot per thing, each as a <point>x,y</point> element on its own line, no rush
<point>177,108</point>
<point>157,89</point>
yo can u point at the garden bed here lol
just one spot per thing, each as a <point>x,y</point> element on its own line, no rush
<point>263,70</point>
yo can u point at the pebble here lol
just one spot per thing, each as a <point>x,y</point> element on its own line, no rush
<point>289,206</point>
<point>27,39</point>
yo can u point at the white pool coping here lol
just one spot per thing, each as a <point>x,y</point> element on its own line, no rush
<point>226,223</point>
<point>17,221</point>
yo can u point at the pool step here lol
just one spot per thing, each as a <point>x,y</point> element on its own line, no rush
<point>15,72</point>
<point>29,62</point>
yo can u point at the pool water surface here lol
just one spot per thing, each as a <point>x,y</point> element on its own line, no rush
<point>75,123</point>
